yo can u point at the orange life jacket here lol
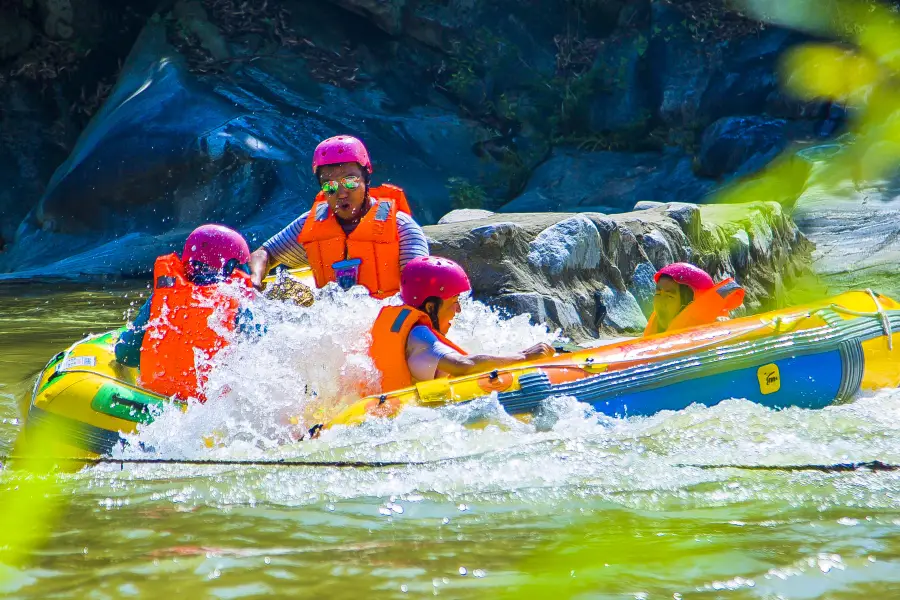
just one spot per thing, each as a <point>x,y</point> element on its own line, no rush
<point>707,306</point>
<point>375,241</point>
<point>389,336</point>
<point>179,331</point>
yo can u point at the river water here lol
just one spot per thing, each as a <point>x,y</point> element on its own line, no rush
<point>580,506</point>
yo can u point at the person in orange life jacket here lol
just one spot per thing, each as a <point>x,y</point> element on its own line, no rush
<point>686,296</point>
<point>354,233</point>
<point>409,343</point>
<point>186,293</point>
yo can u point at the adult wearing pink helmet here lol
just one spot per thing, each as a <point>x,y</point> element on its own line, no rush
<point>686,296</point>
<point>186,295</point>
<point>409,342</point>
<point>354,233</point>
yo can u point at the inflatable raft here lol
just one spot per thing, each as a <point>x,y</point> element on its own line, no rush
<point>809,356</point>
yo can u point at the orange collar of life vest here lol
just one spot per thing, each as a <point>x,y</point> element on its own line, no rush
<point>706,307</point>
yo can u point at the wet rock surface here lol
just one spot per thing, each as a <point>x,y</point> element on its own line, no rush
<point>592,273</point>
<point>589,273</point>
<point>856,231</point>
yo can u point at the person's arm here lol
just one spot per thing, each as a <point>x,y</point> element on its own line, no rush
<point>128,346</point>
<point>427,356</point>
<point>456,365</point>
<point>259,266</point>
<point>412,240</point>
<point>281,249</point>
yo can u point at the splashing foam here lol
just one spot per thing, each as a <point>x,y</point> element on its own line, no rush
<point>295,366</point>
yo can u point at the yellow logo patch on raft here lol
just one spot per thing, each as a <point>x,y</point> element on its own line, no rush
<point>769,379</point>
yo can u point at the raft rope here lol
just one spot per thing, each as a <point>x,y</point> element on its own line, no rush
<point>879,314</point>
<point>872,465</point>
<point>275,462</point>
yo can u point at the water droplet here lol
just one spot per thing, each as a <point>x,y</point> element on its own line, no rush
<point>479,573</point>
<point>445,520</point>
<point>463,507</point>
<point>404,588</point>
<point>267,560</point>
<point>85,550</point>
<point>463,571</point>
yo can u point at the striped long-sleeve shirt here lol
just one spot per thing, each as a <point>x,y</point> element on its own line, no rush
<point>283,247</point>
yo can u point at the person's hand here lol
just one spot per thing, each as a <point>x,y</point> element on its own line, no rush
<point>540,350</point>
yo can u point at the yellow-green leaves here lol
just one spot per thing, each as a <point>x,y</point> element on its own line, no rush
<point>822,71</point>
<point>29,500</point>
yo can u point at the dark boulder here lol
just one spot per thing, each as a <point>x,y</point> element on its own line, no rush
<point>740,145</point>
<point>609,182</point>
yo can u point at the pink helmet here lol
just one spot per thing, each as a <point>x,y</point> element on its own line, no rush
<point>214,246</point>
<point>341,149</point>
<point>428,276</point>
<point>687,274</point>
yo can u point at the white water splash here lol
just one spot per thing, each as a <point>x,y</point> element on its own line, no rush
<point>300,365</point>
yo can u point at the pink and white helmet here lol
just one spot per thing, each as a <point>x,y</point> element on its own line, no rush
<point>341,149</point>
<point>428,276</point>
<point>214,246</point>
<point>687,274</point>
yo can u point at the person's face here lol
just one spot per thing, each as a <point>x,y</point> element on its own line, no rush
<point>667,301</point>
<point>347,204</point>
<point>448,310</point>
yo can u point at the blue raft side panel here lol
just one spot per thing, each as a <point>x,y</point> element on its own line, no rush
<point>810,381</point>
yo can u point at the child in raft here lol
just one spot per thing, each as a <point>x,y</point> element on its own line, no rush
<point>686,296</point>
<point>172,328</point>
<point>409,342</point>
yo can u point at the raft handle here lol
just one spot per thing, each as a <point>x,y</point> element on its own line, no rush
<point>879,314</point>
<point>132,404</point>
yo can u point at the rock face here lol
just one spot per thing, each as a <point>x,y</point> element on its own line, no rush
<point>736,145</point>
<point>167,152</point>
<point>27,156</point>
<point>561,105</point>
<point>856,230</point>
<point>386,14</point>
<point>573,181</point>
<point>15,34</point>
<point>591,273</point>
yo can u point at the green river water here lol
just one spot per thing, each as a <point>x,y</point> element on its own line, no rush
<point>587,508</point>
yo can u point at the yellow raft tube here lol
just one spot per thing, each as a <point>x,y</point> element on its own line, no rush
<point>809,356</point>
